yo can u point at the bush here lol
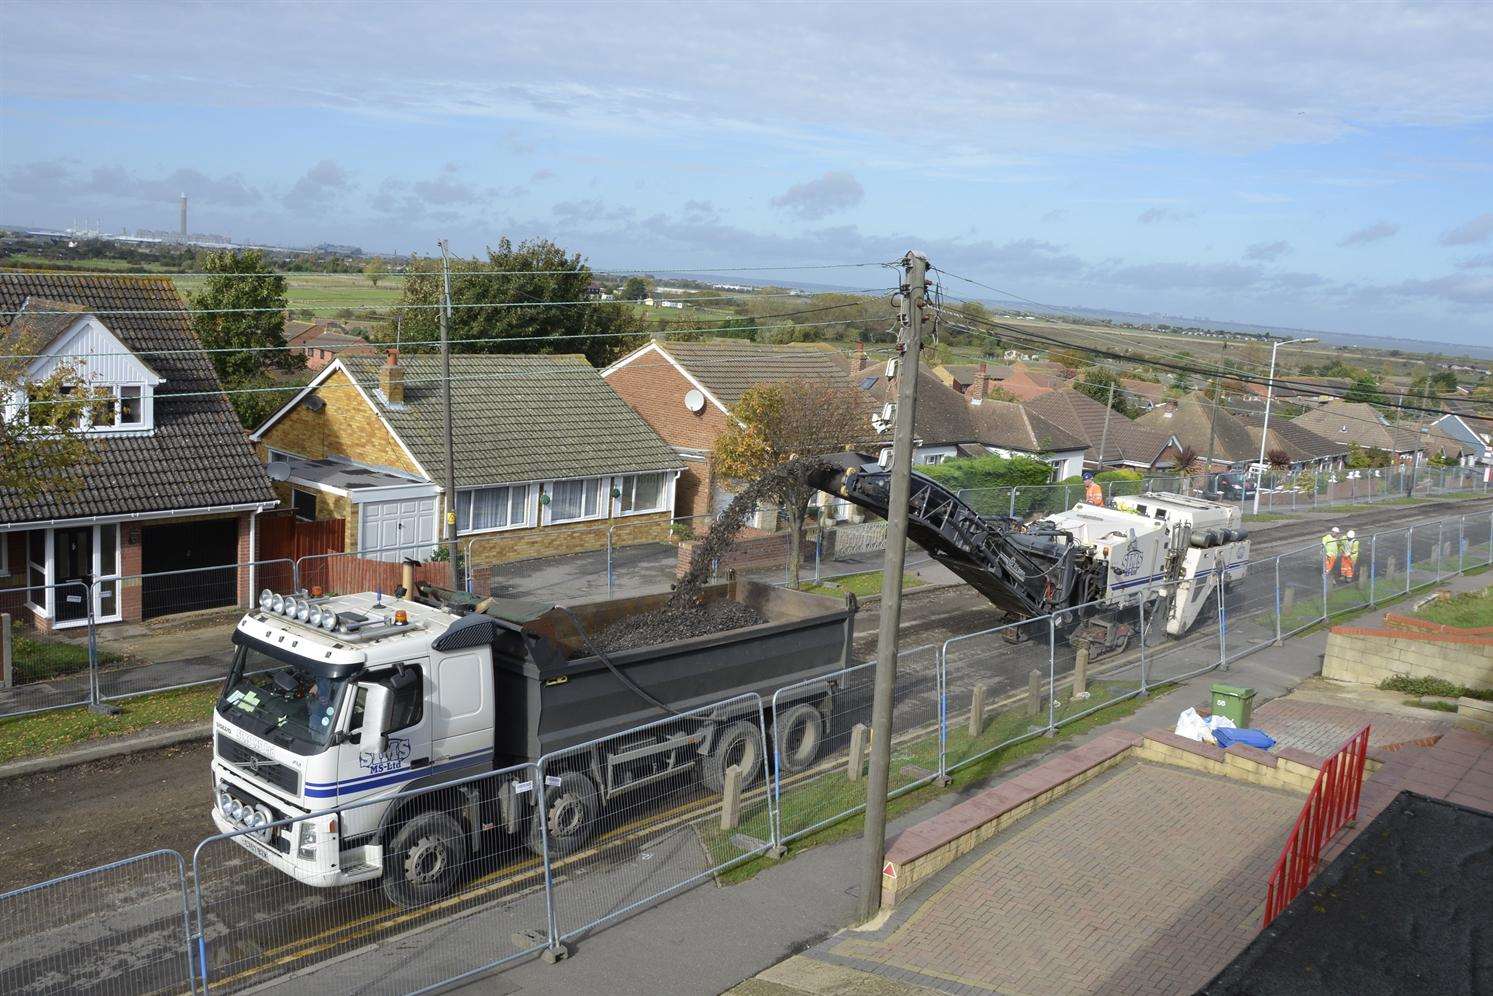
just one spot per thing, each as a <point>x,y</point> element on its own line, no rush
<point>989,472</point>
<point>1433,686</point>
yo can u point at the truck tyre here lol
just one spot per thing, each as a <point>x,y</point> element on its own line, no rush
<point>424,859</point>
<point>573,806</point>
<point>738,743</point>
<point>800,734</point>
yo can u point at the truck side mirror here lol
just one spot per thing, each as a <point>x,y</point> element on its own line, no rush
<point>378,702</point>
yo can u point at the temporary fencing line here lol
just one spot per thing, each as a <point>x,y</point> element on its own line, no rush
<point>432,269</point>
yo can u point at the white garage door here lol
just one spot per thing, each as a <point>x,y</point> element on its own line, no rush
<point>393,530</point>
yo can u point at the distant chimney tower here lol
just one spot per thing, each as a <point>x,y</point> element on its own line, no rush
<point>391,379</point>
<point>980,379</point>
<point>860,356</point>
<point>184,217</point>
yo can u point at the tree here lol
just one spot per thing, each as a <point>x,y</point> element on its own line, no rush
<point>375,270</point>
<point>40,453</point>
<point>1278,459</point>
<point>241,308</point>
<point>1365,389</point>
<point>774,423</point>
<point>1188,461</point>
<point>1360,458</point>
<point>1096,382</point>
<point>520,299</point>
<point>633,289</point>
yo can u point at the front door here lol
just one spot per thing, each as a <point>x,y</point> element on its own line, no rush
<point>73,549</point>
<point>393,530</point>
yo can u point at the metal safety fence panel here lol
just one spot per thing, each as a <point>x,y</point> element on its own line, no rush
<point>1046,499</point>
<point>1173,657</point>
<point>1096,658</point>
<point>997,684</point>
<point>120,928</point>
<point>1424,553</point>
<point>1251,610</point>
<point>990,501</point>
<point>462,857</point>
<point>1388,573</point>
<point>1303,591</point>
<point>376,570</point>
<point>46,661</point>
<point>1477,541</point>
<point>180,625</point>
<point>813,788</point>
<point>638,816</point>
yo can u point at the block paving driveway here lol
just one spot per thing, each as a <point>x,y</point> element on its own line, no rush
<point>1148,880</point>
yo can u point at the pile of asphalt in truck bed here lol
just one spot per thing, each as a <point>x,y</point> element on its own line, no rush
<point>669,624</point>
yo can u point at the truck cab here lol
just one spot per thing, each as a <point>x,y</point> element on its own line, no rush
<point>336,704</point>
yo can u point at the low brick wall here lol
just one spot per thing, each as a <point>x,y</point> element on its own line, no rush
<point>1368,655</point>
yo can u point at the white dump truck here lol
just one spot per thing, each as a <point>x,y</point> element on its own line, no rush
<point>355,706</point>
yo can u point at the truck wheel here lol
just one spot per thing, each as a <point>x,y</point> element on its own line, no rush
<point>800,735</point>
<point>424,859</point>
<point>739,743</point>
<point>572,809</point>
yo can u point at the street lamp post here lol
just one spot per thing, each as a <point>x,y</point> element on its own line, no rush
<point>1265,432</point>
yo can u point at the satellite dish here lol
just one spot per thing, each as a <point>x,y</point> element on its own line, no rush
<point>278,470</point>
<point>694,400</point>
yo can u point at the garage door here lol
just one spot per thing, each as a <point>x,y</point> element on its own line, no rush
<point>188,566</point>
<point>393,530</point>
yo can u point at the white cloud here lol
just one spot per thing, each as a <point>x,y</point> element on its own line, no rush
<point>1376,232</point>
<point>1479,229</point>
<point>1267,252</point>
<point>811,200</point>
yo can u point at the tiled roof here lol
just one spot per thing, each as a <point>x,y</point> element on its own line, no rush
<point>1082,416</point>
<point>1189,420</point>
<point>197,457</point>
<point>728,369</point>
<point>36,327</point>
<point>516,418</point>
<point>1354,421</point>
<point>336,340</point>
<point>1300,443</point>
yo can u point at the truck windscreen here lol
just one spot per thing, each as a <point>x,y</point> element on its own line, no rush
<point>285,704</point>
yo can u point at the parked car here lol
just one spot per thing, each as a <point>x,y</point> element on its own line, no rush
<point>1228,486</point>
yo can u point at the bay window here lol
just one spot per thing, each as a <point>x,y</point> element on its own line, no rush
<point>482,509</point>
<point>643,493</point>
<point>571,501</point>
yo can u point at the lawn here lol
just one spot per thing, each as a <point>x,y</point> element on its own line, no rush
<point>860,585</point>
<point>39,658</point>
<point>1466,611</point>
<point>49,732</point>
<point>325,293</point>
<point>825,795</point>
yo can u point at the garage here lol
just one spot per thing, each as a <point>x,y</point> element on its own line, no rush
<point>184,570</point>
<point>395,529</point>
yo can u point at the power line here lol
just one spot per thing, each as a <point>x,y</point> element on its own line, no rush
<point>359,275</point>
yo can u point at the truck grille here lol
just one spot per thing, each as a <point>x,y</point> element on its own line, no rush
<point>256,765</point>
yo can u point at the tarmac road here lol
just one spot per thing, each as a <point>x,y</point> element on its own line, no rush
<point>261,923</point>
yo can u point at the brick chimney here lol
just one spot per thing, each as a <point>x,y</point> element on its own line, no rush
<point>860,356</point>
<point>980,380</point>
<point>391,379</point>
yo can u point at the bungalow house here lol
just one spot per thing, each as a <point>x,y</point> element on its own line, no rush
<point>164,509</point>
<point>547,457</point>
<point>1234,439</point>
<point>1125,443</point>
<point>1475,435</point>
<point>327,346</point>
<point>686,392</point>
<point>1356,422</point>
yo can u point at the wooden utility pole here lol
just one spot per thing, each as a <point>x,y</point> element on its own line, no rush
<point>1104,437</point>
<point>445,314</point>
<point>914,287</point>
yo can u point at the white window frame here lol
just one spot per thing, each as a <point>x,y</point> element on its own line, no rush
<point>465,496</point>
<point>631,480</point>
<point>603,501</point>
<point>47,607</point>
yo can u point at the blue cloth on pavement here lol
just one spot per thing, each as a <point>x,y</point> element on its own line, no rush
<point>1245,736</point>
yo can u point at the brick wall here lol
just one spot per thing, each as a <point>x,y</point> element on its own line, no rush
<point>566,538</point>
<point>654,389</point>
<point>1368,656</point>
<point>129,570</point>
<point>346,427</point>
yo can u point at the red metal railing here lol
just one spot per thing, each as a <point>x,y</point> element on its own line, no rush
<point>1331,805</point>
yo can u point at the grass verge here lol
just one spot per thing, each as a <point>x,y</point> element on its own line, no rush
<point>830,792</point>
<point>1468,610</point>
<point>860,585</point>
<point>49,732</point>
<point>1433,686</point>
<point>37,658</point>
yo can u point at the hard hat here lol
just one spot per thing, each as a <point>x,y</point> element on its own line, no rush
<point>1351,534</point>
<point>1334,530</point>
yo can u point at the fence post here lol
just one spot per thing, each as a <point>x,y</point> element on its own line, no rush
<point>977,712</point>
<point>554,951</point>
<point>1223,622</point>
<point>1052,675</point>
<point>731,799</point>
<point>1081,672</point>
<point>6,658</point>
<point>611,579</point>
<point>856,763</point>
<point>295,574</point>
<point>1278,606</point>
<point>1409,556</point>
<point>1144,663</point>
<point>1461,543</point>
<point>1012,494</point>
<point>818,551</point>
<point>1438,550</point>
<point>1034,692</point>
<point>1373,567</point>
<point>1325,590</point>
<point>941,686</point>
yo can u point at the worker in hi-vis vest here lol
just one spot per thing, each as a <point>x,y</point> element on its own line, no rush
<point>1348,556</point>
<point>1330,550</point>
<point>1093,492</point>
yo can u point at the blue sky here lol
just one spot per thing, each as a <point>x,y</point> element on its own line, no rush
<point>1318,166</point>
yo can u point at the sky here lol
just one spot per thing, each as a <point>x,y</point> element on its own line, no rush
<point>1315,165</point>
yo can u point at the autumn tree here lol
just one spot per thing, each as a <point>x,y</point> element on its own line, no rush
<point>774,423</point>
<point>1096,383</point>
<point>375,270</point>
<point>239,316</point>
<point>40,450</point>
